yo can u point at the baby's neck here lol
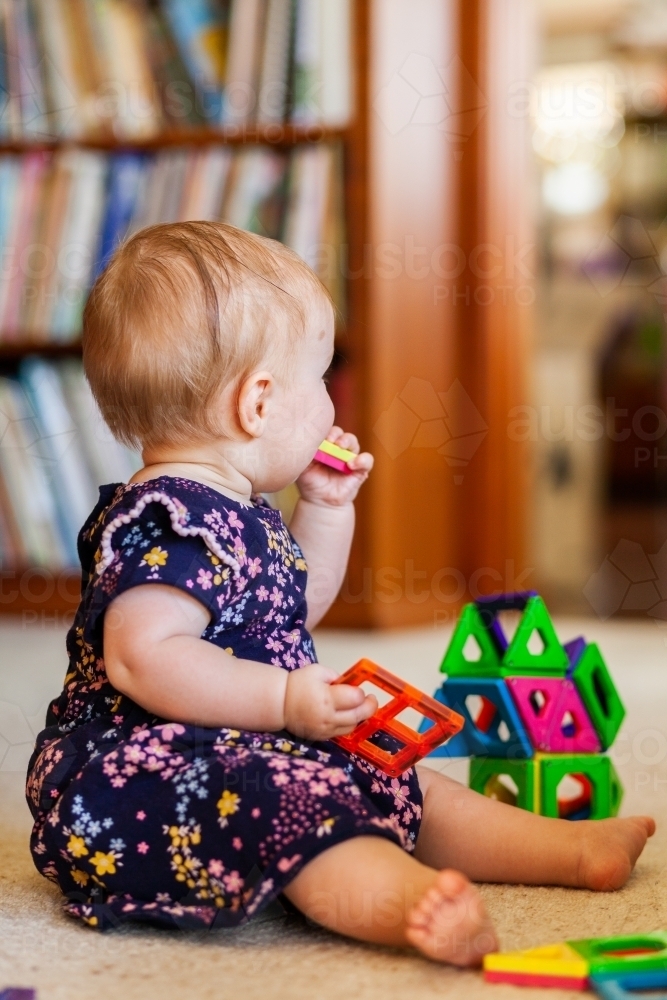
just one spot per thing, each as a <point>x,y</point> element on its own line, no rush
<point>200,472</point>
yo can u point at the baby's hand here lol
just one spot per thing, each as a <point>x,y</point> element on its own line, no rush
<point>316,709</point>
<point>320,484</point>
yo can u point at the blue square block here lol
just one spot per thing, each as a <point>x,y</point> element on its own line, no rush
<point>455,747</point>
<point>492,739</point>
<point>627,987</point>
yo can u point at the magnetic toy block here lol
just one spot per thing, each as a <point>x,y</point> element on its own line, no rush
<point>556,965</point>
<point>486,778</point>
<point>625,987</point>
<point>17,993</point>
<point>554,715</point>
<point>454,747</point>
<point>490,607</point>
<point>631,953</point>
<point>484,734</point>
<point>574,648</point>
<point>471,631</point>
<point>602,793</point>
<point>599,695</point>
<point>335,457</point>
<point>413,746</point>
<point>518,658</point>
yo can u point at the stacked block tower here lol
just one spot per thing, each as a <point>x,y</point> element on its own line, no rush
<point>538,715</point>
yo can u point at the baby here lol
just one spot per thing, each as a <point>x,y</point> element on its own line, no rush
<point>187,776</point>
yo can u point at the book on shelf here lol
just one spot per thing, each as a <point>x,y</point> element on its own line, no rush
<point>62,214</point>
<point>129,69</point>
<point>55,452</point>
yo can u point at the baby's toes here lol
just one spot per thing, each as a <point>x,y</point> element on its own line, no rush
<point>450,923</point>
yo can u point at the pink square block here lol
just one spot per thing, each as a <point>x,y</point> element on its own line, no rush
<point>554,715</point>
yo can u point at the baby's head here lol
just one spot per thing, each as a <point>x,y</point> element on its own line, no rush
<point>200,338</point>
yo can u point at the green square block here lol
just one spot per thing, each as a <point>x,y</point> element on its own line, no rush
<point>518,659</point>
<point>485,775</point>
<point>607,790</point>
<point>599,695</point>
<point>650,953</point>
<point>455,663</point>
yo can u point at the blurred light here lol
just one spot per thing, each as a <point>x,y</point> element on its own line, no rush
<point>576,104</point>
<point>574,188</point>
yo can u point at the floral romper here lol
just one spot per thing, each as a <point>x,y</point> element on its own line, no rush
<point>142,819</point>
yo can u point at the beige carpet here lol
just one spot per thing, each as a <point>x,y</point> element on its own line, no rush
<point>283,957</point>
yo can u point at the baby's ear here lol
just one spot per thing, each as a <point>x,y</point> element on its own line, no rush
<point>254,399</point>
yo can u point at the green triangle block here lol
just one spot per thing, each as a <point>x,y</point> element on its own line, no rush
<point>599,695</point>
<point>518,658</point>
<point>456,661</point>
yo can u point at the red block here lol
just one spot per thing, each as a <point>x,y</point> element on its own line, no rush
<point>446,723</point>
<point>536,979</point>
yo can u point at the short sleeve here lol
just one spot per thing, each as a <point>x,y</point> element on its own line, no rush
<point>159,541</point>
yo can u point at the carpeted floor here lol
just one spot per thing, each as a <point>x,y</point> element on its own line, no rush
<point>282,957</point>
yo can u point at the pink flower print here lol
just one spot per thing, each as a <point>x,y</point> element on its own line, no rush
<point>189,584</point>
<point>417,810</point>
<point>318,788</point>
<point>171,730</point>
<point>204,578</point>
<point>376,787</point>
<point>130,769</point>
<point>143,847</point>
<point>276,597</point>
<point>400,793</point>
<point>118,781</point>
<point>256,813</point>
<point>262,593</point>
<point>334,775</point>
<point>302,658</point>
<point>239,550</point>
<point>233,882</point>
<point>280,764</point>
<point>118,719</point>
<point>109,768</point>
<point>152,765</point>
<point>233,520</point>
<point>141,815</point>
<point>289,660</point>
<point>215,868</point>
<point>285,864</point>
<point>281,778</point>
<point>237,843</point>
<point>292,638</point>
<point>134,754</point>
<point>254,567</point>
<point>274,645</point>
<point>275,661</point>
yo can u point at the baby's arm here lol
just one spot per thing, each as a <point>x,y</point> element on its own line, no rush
<point>154,654</point>
<point>323,523</point>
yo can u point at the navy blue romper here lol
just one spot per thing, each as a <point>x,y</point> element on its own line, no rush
<point>142,819</point>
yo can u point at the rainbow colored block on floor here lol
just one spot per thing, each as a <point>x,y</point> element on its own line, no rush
<point>609,965</point>
<point>538,714</point>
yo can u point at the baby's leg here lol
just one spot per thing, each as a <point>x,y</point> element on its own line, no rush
<point>368,888</point>
<point>493,842</point>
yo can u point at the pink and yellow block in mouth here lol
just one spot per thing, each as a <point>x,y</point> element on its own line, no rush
<point>335,457</point>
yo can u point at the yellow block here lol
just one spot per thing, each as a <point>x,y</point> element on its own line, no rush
<point>548,960</point>
<point>337,452</point>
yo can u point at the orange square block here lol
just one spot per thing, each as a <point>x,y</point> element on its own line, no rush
<point>446,723</point>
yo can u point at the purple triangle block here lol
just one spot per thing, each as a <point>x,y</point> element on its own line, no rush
<point>554,715</point>
<point>574,649</point>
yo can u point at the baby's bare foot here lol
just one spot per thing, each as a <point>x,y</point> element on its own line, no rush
<point>450,923</point>
<point>609,849</point>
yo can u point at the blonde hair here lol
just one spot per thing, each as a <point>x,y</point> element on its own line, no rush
<point>181,311</point>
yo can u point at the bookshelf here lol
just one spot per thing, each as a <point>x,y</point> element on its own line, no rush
<point>39,593</point>
<point>428,535</point>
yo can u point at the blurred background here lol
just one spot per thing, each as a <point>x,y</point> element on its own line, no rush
<point>481,184</point>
